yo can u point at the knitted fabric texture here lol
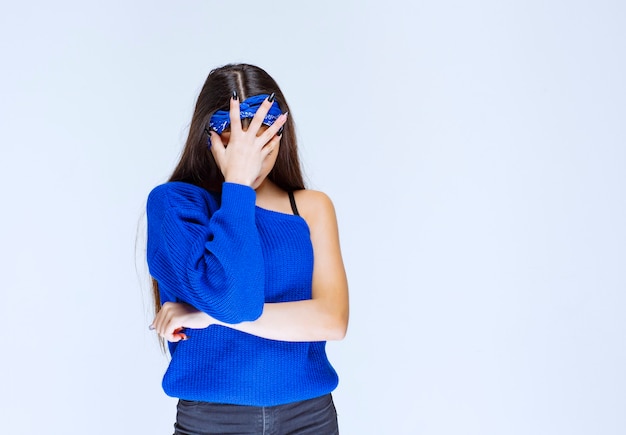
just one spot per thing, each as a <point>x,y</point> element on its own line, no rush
<point>227,257</point>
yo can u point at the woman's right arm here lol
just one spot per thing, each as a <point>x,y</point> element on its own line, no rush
<point>197,257</point>
<point>323,317</point>
<point>213,260</point>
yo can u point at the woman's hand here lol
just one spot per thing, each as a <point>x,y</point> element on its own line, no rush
<point>173,317</point>
<point>242,160</point>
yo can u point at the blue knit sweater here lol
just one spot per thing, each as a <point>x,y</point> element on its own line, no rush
<point>227,257</point>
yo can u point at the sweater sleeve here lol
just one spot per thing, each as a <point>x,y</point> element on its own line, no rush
<point>211,260</point>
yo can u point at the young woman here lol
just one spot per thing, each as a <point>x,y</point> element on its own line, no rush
<point>247,271</point>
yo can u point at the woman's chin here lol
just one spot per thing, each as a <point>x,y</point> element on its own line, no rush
<point>259,181</point>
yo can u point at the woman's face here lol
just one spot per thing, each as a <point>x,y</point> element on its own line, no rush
<point>269,161</point>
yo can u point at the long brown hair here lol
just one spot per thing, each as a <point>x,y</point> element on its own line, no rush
<point>197,165</point>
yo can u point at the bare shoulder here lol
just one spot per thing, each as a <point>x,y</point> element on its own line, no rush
<point>314,206</point>
<point>311,200</point>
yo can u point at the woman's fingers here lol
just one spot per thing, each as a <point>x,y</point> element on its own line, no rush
<point>241,160</point>
<point>272,131</point>
<point>217,146</point>
<point>236,130</point>
<point>257,120</point>
<point>175,336</point>
<point>271,146</point>
<point>166,324</point>
<point>156,322</point>
<point>162,319</point>
<point>235,120</point>
<point>171,331</point>
<point>179,334</point>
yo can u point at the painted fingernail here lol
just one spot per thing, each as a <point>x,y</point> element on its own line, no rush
<point>280,131</point>
<point>286,114</point>
<point>271,97</point>
<point>151,327</point>
<point>235,96</point>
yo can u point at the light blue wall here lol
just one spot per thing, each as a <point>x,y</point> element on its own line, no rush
<point>475,152</point>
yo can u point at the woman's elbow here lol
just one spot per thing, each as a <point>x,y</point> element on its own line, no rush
<point>339,327</point>
<point>338,334</point>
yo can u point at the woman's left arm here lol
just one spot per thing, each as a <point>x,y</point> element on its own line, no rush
<point>323,317</point>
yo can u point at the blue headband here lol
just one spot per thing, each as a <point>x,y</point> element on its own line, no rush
<point>221,119</point>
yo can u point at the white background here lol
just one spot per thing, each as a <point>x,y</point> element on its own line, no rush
<point>476,155</point>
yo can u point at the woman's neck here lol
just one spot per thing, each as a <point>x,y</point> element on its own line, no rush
<point>272,197</point>
<point>267,189</point>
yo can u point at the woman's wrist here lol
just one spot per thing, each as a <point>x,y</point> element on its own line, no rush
<point>239,179</point>
<point>238,198</point>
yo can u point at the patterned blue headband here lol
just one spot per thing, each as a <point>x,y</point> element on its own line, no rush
<point>221,119</point>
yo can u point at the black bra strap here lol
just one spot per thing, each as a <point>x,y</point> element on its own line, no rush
<point>292,200</point>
